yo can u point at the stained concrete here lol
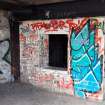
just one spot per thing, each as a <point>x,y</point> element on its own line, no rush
<point>26,94</point>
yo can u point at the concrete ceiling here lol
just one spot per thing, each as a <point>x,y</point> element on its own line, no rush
<point>14,4</point>
<point>32,2</point>
<point>36,2</point>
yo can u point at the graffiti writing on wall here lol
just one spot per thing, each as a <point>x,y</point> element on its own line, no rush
<point>5,67</point>
<point>85,52</point>
<point>86,64</point>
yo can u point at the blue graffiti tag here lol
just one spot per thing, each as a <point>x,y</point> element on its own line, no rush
<point>85,63</point>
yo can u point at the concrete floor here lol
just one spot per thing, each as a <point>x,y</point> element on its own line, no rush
<point>26,94</point>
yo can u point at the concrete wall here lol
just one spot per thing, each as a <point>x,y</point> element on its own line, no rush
<point>5,57</point>
<point>85,69</point>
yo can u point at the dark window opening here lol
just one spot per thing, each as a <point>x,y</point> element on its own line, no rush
<point>58,50</point>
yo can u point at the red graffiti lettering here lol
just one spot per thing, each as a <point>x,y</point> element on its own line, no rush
<point>33,37</point>
<point>62,84</point>
<point>61,24</point>
<point>54,24</point>
<point>98,39</point>
<point>28,51</point>
<point>95,95</point>
<point>42,77</point>
<point>22,38</point>
<point>46,26</point>
<point>37,26</point>
<point>72,25</point>
<point>46,43</point>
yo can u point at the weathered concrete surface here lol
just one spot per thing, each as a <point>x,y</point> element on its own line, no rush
<point>26,94</point>
<point>5,48</point>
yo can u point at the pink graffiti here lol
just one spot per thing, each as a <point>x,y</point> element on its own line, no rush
<point>33,37</point>
<point>46,43</point>
<point>28,51</point>
<point>22,38</point>
<point>98,39</point>
<point>68,85</point>
<point>40,78</point>
<point>95,95</point>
